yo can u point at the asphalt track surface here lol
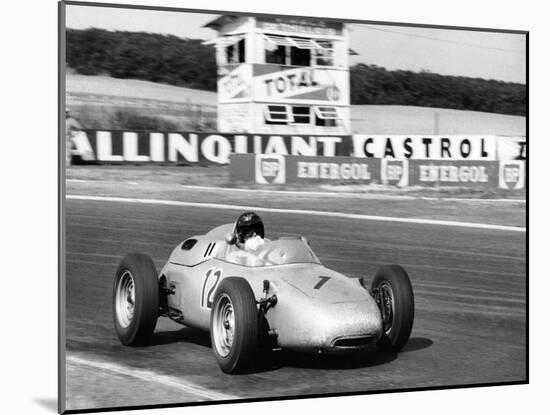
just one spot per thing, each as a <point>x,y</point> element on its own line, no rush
<point>470,323</point>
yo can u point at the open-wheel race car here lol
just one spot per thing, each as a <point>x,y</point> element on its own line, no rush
<point>279,296</point>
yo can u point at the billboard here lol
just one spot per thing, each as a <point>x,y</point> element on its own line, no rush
<point>453,173</point>
<point>272,169</point>
<point>110,146</point>
<point>275,169</point>
<point>299,25</point>
<point>283,84</point>
<point>511,174</point>
<point>434,147</point>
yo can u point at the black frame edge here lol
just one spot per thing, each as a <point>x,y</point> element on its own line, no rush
<point>61,291</point>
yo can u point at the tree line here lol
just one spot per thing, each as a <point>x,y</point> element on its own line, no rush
<point>188,62</point>
<point>152,57</point>
<point>370,84</point>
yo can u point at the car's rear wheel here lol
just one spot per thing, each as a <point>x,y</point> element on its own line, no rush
<point>234,325</point>
<point>392,290</point>
<point>135,300</point>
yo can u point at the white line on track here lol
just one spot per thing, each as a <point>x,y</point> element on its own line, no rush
<point>149,376</point>
<point>334,194</point>
<point>299,212</point>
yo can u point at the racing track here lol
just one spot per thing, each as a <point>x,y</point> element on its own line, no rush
<point>470,289</point>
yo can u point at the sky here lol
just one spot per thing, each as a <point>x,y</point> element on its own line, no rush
<point>476,54</point>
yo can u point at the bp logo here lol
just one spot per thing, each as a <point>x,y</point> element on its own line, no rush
<point>512,174</point>
<point>394,172</point>
<point>270,168</point>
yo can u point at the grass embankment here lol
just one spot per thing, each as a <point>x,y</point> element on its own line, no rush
<point>96,99</point>
<point>126,104</point>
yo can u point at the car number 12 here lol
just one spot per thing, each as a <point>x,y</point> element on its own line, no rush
<point>209,284</point>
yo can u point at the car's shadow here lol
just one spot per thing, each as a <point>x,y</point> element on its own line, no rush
<point>270,361</point>
<point>355,360</point>
<point>416,343</point>
<point>183,335</point>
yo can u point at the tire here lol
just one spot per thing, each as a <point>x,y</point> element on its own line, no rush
<point>234,325</point>
<point>391,286</point>
<point>135,300</point>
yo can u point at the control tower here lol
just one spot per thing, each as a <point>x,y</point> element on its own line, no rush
<point>282,75</point>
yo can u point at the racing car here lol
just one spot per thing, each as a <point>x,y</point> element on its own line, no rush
<point>284,299</point>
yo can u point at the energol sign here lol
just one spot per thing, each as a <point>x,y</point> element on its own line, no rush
<point>333,171</point>
<point>273,170</point>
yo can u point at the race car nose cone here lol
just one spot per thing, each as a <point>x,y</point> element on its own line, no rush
<point>319,309</point>
<point>332,327</point>
<point>351,324</point>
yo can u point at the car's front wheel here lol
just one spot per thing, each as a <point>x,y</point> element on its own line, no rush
<point>392,291</point>
<point>135,299</point>
<point>234,325</point>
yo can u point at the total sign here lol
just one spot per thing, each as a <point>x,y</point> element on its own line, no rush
<point>275,83</point>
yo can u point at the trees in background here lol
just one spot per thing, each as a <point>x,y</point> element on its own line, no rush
<point>370,84</point>
<point>187,62</point>
<point>152,57</point>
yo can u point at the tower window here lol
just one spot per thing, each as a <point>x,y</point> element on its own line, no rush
<point>301,115</point>
<point>297,51</point>
<point>277,114</point>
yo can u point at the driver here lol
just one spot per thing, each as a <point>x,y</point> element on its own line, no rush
<point>249,236</point>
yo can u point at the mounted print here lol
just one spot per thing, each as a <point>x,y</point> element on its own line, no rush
<point>258,207</point>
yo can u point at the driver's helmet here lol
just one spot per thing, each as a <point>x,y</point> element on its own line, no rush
<point>248,224</point>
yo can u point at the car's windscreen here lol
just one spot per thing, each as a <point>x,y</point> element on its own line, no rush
<point>277,252</point>
<point>289,251</point>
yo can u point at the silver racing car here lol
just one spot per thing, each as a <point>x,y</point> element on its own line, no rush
<point>279,296</point>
